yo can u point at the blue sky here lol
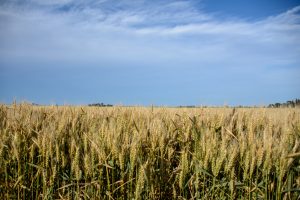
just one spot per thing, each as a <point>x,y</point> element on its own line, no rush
<point>138,52</point>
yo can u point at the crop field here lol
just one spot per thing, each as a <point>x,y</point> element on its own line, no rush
<point>65,152</point>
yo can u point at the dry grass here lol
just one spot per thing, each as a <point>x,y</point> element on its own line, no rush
<point>149,153</point>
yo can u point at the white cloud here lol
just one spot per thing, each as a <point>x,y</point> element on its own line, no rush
<point>182,45</point>
<point>173,33</point>
<point>50,2</point>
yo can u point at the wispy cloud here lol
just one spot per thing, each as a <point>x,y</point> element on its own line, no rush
<point>82,24</point>
<point>170,35</point>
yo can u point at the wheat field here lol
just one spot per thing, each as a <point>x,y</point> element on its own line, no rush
<point>65,152</point>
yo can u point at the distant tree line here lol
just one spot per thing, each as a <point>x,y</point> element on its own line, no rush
<point>290,104</point>
<point>188,106</point>
<point>100,105</point>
